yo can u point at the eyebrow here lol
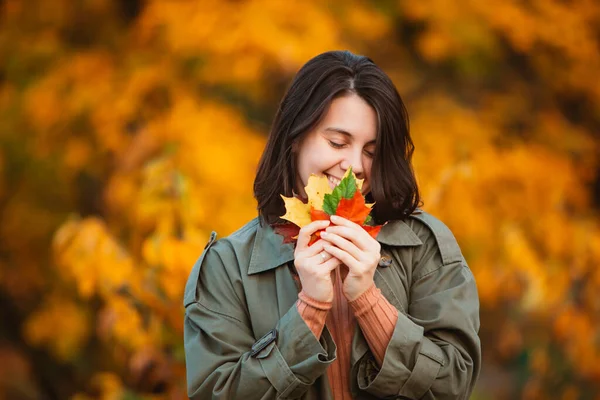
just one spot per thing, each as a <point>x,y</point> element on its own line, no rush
<point>344,132</point>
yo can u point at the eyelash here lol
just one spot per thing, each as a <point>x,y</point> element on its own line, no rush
<point>340,146</point>
<point>335,145</point>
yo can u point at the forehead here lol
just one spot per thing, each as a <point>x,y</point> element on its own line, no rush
<point>354,115</point>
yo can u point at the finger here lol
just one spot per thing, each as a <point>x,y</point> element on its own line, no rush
<point>316,248</point>
<point>341,221</point>
<point>330,264</point>
<point>359,237</point>
<point>324,256</point>
<point>343,256</point>
<point>320,258</point>
<point>342,243</point>
<point>308,230</point>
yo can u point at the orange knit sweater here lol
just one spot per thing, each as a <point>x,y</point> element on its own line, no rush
<point>376,318</point>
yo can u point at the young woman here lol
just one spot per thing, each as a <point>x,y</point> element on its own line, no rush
<point>349,316</point>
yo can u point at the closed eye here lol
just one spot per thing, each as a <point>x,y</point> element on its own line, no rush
<point>336,145</point>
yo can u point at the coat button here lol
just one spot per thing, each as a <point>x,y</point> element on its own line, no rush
<point>385,261</point>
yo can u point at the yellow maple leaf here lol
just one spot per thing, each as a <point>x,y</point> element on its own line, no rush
<point>296,211</point>
<point>317,188</point>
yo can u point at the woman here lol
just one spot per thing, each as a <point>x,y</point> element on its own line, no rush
<point>349,316</point>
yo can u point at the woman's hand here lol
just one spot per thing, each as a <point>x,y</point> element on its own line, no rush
<point>313,264</point>
<point>357,250</point>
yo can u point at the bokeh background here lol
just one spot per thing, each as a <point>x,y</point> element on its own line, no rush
<point>131,129</point>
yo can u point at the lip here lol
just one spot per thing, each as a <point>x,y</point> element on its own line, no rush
<point>331,185</point>
<point>339,179</point>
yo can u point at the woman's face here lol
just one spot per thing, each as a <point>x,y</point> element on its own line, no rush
<point>344,138</point>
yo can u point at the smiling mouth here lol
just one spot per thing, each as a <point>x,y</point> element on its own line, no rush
<point>333,182</point>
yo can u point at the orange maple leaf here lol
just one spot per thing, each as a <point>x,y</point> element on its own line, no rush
<point>354,209</point>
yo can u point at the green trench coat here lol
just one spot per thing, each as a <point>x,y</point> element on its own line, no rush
<point>244,338</point>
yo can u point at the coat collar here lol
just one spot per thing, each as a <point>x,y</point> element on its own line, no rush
<point>268,251</point>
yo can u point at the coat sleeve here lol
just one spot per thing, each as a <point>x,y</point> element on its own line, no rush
<point>435,352</point>
<point>223,358</point>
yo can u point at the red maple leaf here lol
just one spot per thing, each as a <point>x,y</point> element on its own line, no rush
<point>353,209</point>
<point>317,215</point>
<point>288,230</point>
<point>372,230</point>
<point>356,210</point>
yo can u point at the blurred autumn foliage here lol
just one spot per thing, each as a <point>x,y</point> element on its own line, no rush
<point>131,129</point>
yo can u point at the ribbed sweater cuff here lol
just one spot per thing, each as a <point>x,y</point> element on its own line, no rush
<point>377,319</point>
<point>313,312</point>
<point>366,301</point>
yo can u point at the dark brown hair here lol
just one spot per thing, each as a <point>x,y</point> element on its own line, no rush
<point>323,78</point>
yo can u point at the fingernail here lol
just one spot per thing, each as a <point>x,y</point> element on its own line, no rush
<point>323,234</point>
<point>335,218</point>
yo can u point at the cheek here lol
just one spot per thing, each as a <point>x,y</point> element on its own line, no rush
<point>368,170</point>
<point>308,165</point>
<point>368,164</point>
<point>365,186</point>
<point>320,159</point>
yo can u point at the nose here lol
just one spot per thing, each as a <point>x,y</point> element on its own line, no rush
<point>354,161</point>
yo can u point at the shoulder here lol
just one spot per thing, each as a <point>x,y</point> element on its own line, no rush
<point>436,236</point>
<point>224,257</point>
<point>245,234</point>
<point>237,245</point>
<point>240,238</point>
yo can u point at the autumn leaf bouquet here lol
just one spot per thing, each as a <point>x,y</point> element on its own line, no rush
<point>345,200</point>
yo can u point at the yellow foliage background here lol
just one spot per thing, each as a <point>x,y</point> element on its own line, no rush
<point>131,129</point>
